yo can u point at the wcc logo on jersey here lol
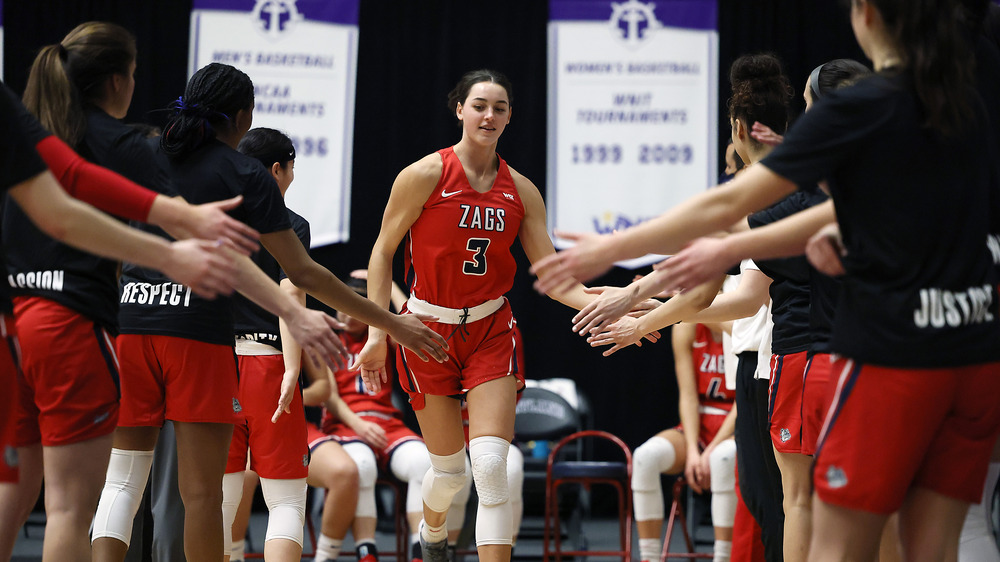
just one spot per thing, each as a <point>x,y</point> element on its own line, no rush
<point>632,22</point>
<point>275,17</point>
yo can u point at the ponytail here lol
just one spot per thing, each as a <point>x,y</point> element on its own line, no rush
<point>212,98</point>
<point>937,56</point>
<point>71,73</point>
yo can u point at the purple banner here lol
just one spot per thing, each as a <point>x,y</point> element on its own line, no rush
<point>331,11</point>
<point>690,14</point>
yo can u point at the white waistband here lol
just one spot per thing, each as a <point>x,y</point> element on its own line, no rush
<point>251,347</point>
<point>454,315</point>
<point>712,410</point>
<point>375,414</point>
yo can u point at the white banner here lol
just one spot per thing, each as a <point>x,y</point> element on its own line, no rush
<point>632,111</point>
<point>302,58</point>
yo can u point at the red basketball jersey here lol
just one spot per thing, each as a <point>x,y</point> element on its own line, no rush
<point>458,250</point>
<point>710,369</point>
<point>352,388</point>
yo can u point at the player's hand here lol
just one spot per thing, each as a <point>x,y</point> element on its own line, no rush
<point>611,304</point>
<point>371,364</point>
<point>314,331</point>
<point>409,331</point>
<point>584,261</point>
<point>825,250</point>
<point>764,134</point>
<point>700,261</point>
<point>372,433</point>
<point>692,470</point>
<point>209,221</point>
<point>288,384</point>
<point>644,307</point>
<point>206,267</point>
<point>619,335</point>
<point>705,468</point>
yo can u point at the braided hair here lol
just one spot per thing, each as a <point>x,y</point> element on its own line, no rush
<point>213,97</point>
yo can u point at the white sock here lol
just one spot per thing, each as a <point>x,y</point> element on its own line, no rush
<point>649,550</point>
<point>327,549</point>
<point>432,535</point>
<point>415,538</point>
<point>722,550</point>
<point>238,552</point>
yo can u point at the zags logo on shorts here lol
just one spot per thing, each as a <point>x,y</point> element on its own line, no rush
<point>444,193</point>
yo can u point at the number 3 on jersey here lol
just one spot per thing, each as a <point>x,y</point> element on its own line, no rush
<point>478,264</point>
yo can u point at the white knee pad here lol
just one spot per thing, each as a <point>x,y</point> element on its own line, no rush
<point>128,472</point>
<point>286,508</point>
<point>364,457</point>
<point>976,542</point>
<point>722,463</point>
<point>649,460</point>
<point>410,462</point>
<point>445,478</point>
<point>494,520</point>
<point>232,493</point>
<point>456,513</point>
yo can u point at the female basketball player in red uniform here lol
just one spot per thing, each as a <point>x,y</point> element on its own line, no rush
<point>460,210</point>
<point>911,321</point>
<point>702,447</point>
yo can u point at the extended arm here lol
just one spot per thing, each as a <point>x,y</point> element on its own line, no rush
<point>291,353</point>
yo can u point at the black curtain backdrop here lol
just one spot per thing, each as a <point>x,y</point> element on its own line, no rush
<point>411,53</point>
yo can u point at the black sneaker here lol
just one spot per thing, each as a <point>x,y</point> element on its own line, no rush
<point>367,552</point>
<point>433,551</point>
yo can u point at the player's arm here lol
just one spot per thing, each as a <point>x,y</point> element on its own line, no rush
<point>410,191</point>
<point>537,244</point>
<point>320,384</point>
<point>682,338</point>
<point>198,264</point>
<point>291,353</point>
<point>743,302</point>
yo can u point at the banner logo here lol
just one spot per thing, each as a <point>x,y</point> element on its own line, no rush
<point>274,17</point>
<point>632,21</point>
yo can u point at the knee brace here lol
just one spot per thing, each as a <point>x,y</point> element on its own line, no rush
<point>445,478</point>
<point>456,513</point>
<point>515,483</point>
<point>494,520</point>
<point>367,474</point>
<point>128,472</point>
<point>649,460</point>
<point>409,463</point>
<point>286,508</point>
<point>232,493</point>
<point>722,463</point>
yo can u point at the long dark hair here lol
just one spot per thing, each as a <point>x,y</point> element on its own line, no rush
<point>761,92</point>
<point>213,97</point>
<point>460,92</point>
<point>71,73</point>
<point>268,146</point>
<point>937,55</point>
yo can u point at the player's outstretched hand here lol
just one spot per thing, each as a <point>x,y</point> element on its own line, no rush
<point>206,267</point>
<point>700,261</point>
<point>825,250</point>
<point>619,335</point>
<point>611,304</point>
<point>314,331</point>
<point>584,261</point>
<point>764,134</point>
<point>209,221</point>
<point>411,333</point>
<point>371,364</point>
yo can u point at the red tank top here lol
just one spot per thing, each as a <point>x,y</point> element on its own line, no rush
<point>458,250</point>
<point>710,369</point>
<point>352,388</point>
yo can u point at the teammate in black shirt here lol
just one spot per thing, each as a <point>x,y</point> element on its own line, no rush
<point>902,151</point>
<point>168,339</point>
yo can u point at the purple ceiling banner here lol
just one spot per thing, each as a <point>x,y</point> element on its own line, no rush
<point>632,103</point>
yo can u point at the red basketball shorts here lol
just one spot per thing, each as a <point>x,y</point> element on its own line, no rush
<point>165,377</point>
<point>817,392</point>
<point>10,379</point>
<point>784,408</point>
<point>277,450</point>
<point>69,389</point>
<point>479,352</point>
<point>395,431</point>
<point>889,430</point>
